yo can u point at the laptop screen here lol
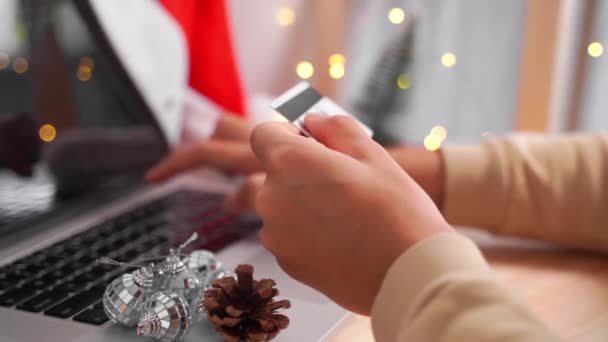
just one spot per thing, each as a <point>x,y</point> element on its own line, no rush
<point>72,126</point>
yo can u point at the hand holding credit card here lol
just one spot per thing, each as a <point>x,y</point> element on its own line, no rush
<point>302,99</point>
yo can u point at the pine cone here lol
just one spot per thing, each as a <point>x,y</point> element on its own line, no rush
<point>244,309</point>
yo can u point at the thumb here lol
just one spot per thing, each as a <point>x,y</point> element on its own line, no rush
<point>341,133</point>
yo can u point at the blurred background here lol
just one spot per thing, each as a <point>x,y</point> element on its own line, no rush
<point>467,68</point>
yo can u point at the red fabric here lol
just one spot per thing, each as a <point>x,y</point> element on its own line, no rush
<point>213,70</point>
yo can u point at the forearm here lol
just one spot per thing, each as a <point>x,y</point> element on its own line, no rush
<point>553,188</point>
<point>453,297</point>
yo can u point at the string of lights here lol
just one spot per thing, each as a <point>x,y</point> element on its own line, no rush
<point>337,68</point>
<point>437,135</point>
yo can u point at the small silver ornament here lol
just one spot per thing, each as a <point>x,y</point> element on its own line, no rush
<point>175,276</point>
<point>167,317</point>
<point>203,263</point>
<point>124,298</point>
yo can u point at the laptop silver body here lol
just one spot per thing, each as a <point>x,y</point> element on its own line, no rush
<point>312,315</point>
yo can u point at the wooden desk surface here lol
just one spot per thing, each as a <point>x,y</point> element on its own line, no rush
<point>568,290</point>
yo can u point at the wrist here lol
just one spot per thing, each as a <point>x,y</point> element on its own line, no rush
<point>401,240</point>
<point>425,167</point>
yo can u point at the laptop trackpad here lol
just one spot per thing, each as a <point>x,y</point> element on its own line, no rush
<point>266,267</point>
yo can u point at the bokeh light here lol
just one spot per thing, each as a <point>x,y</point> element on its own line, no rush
<point>5,60</point>
<point>87,61</point>
<point>336,71</point>
<point>396,15</point>
<point>85,69</point>
<point>305,70</point>
<point>448,59</point>
<point>285,16</point>
<point>20,65</point>
<point>404,82</point>
<point>440,131</point>
<point>47,133</point>
<point>595,49</point>
<point>84,73</point>
<point>432,142</point>
<point>337,58</point>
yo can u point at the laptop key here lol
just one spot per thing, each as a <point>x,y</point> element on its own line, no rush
<point>160,240</point>
<point>116,244</point>
<point>92,275</point>
<point>42,301</point>
<point>123,221</point>
<point>5,285</point>
<point>86,259</point>
<point>15,276</point>
<point>148,244</point>
<point>70,250</point>
<point>70,286</point>
<point>46,264</point>
<point>133,235</point>
<point>106,233</point>
<point>7,277</point>
<point>55,275</point>
<point>76,265</point>
<point>33,269</point>
<point>52,259</point>
<point>127,255</point>
<point>75,304</point>
<point>103,250</point>
<point>140,247</point>
<point>38,283</point>
<point>92,316</point>
<point>14,296</point>
<point>54,250</point>
<point>152,227</point>
<point>89,240</point>
<point>65,256</point>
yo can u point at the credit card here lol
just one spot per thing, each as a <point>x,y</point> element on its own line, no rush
<point>302,99</point>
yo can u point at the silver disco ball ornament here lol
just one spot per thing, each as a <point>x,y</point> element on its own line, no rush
<point>167,317</point>
<point>175,276</point>
<point>203,263</point>
<point>124,298</point>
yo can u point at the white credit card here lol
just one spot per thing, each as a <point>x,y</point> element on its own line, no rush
<point>302,99</point>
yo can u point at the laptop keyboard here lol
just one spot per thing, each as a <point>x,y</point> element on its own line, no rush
<point>64,281</point>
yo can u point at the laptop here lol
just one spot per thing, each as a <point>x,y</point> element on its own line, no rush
<point>79,126</point>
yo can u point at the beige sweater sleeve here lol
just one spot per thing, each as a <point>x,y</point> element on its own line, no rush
<point>553,188</point>
<point>442,290</point>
